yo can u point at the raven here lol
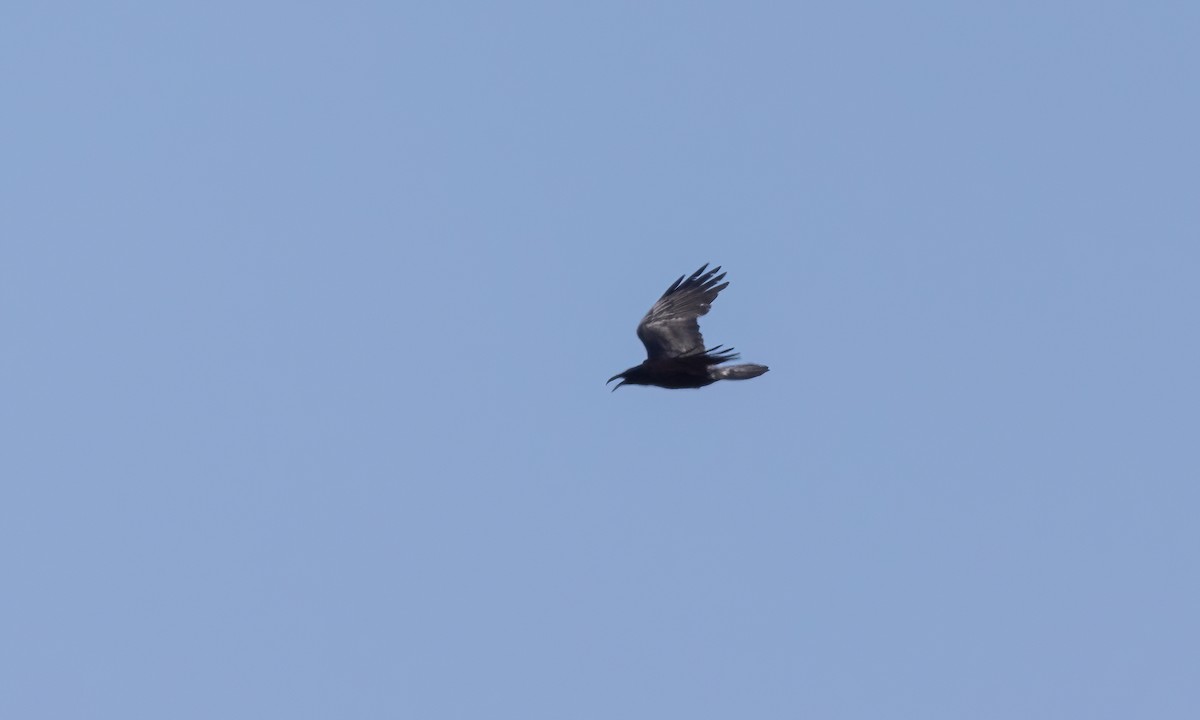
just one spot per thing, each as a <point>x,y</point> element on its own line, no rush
<point>675,354</point>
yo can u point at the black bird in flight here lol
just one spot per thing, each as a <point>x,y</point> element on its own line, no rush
<point>675,354</point>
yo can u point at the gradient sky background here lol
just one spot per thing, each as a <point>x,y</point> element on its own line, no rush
<point>307,310</point>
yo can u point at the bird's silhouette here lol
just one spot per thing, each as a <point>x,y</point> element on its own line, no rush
<point>675,354</point>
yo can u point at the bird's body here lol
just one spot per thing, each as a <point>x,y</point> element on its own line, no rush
<point>675,353</point>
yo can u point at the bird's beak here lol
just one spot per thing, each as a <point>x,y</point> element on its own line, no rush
<point>614,377</point>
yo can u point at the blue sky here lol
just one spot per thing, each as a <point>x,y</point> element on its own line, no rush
<point>308,310</point>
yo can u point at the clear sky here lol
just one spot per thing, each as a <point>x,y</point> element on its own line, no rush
<point>307,310</point>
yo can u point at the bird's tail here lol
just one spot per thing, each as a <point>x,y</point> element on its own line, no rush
<point>737,372</point>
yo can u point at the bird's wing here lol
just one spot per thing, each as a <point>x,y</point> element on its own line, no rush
<point>670,328</point>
